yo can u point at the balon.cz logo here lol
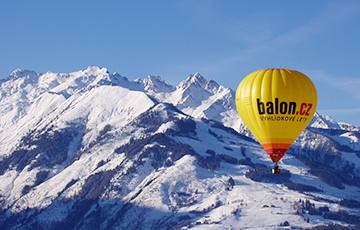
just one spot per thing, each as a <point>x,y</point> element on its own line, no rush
<point>276,107</point>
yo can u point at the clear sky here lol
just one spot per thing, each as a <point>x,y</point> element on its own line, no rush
<point>223,40</point>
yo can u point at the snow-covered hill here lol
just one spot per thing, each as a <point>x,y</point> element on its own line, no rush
<point>94,150</point>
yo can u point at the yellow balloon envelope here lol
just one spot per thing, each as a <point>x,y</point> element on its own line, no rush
<point>276,105</point>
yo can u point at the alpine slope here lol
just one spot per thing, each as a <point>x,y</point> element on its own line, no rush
<point>94,150</point>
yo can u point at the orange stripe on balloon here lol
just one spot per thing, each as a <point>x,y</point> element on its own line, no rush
<point>277,140</point>
<point>276,146</point>
<point>276,150</point>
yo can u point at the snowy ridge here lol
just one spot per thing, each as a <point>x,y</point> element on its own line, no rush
<point>94,150</point>
<point>324,122</point>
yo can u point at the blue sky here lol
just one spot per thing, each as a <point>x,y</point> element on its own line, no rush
<point>223,40</point>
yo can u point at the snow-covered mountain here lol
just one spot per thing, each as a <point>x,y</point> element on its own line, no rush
<point>94,150</point>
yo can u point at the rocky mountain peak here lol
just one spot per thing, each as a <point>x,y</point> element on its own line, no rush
<point>155,84</point>
<point>19,73</point>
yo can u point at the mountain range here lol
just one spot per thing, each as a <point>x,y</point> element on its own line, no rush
<point>94,150</point>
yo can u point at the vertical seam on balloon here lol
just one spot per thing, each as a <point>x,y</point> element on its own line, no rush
<point>283,78</point>
<point>265,83</point>
<point>302,83</point>
<point>252,107</point>
<point>299,83</point>
<point>297,88</point>
<point>284,86</point>
<point>272,88</point>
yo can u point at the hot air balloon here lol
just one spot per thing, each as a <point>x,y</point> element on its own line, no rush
<point>276,105</point>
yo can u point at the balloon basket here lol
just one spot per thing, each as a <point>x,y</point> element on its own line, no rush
<point>276,170</point>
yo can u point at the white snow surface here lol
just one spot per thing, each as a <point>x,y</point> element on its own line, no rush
<point>113,116</point>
